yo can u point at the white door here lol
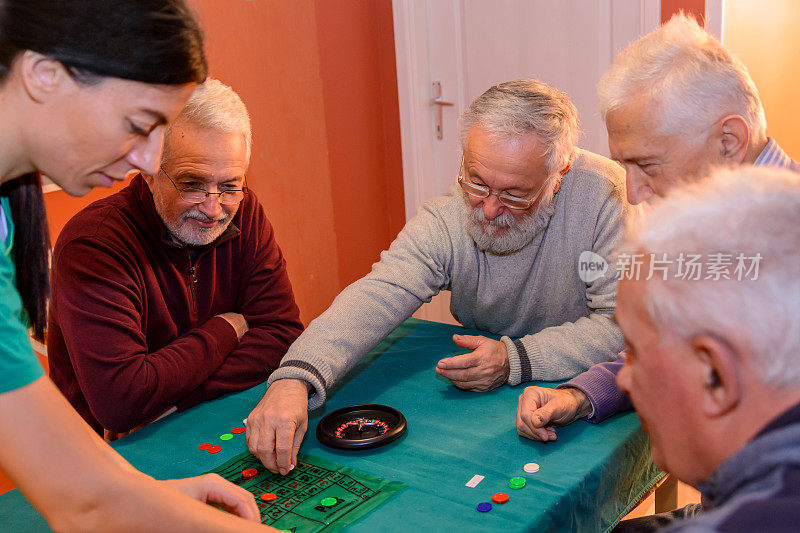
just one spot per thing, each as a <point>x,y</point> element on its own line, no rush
<point>466,46</point>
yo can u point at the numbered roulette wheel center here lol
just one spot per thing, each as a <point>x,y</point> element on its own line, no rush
<point>360,427</point>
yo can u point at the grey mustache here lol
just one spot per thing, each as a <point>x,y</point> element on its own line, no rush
<point>203,218</point>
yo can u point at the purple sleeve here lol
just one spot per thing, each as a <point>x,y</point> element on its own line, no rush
<point>599,384</point>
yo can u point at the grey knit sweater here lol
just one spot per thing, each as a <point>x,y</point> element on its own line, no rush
<point>553,324</point>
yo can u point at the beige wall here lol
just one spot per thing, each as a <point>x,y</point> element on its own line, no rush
<point>764,35</point>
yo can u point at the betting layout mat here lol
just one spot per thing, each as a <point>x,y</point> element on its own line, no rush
<point>318,495</point>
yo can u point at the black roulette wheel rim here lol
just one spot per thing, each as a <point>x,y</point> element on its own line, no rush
<point>361,427</point>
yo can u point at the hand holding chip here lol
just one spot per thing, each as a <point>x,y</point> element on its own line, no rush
<point>213,489</point>
<point>484,369</point>
<point>277,425</point>
<point>540,409</point>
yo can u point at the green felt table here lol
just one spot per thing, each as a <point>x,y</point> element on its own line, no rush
<point>589,478</point>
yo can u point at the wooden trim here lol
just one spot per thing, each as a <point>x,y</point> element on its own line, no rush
<point>412,79</point>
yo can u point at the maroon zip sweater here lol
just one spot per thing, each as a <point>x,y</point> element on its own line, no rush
<point>132,323</point>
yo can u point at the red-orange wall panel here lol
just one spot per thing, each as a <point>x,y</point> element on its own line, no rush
<point>356,46</point>
<point>690,7</point>
<point>267,51</point>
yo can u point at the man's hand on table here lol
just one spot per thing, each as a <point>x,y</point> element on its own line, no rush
<point>237,322</point>
<point>484,369</point>
<point>213,489</point>
<point>540,409</point>
<point>277,425</point>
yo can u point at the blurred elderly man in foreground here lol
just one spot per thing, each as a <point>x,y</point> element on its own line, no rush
<point>713,366</point>
<point>504,241</point>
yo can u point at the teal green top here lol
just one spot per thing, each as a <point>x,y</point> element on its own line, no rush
<point>18,364</point>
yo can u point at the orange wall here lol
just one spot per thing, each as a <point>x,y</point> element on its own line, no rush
<point>268,52</point>
<point>356,47</point>
<point>690,7</point>
<point>767,42</point>
<point>319,80</point>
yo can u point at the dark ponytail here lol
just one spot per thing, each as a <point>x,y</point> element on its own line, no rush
<point>31,246</point>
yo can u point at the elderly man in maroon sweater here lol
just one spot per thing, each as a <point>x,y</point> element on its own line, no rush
<point>172,291</point>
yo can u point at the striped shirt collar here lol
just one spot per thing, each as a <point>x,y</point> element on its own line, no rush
<point>773,155</point>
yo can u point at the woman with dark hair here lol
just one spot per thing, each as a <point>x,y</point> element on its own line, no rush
<point>86,88</point>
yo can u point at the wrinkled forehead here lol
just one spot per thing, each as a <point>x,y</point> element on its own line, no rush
<point>510,156</point>
<point>201,171</point>
<point>638,118</point>
<point>204,152</point>
<point>504,142</point>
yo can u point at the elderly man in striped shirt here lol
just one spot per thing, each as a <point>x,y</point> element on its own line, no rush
<point>676,103</point>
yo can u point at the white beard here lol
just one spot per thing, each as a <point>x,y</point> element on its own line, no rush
<point>183,232</point>
<point>518,231</point>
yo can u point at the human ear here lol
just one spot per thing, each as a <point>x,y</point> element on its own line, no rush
<point>719,375</point>
<point>734,139</point>
<point>41,75</point>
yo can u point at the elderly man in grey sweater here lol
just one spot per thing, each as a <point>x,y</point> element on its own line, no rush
<point>505,241</point>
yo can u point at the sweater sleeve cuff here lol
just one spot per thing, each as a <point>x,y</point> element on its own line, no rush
<point>514,365</point>
<point>304,371</point>
<point>522,359</point>
<point>223,332</point>
<point>599,385</point>
<point>576,384</point>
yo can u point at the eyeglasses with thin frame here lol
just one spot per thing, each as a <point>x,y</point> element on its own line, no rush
<point>193,195</point>
<point>508,200</point>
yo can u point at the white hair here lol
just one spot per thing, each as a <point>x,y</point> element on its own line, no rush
<point>524,106</point>
<point>749,211</point>
<point>687,75</point>
<point>216,106</point>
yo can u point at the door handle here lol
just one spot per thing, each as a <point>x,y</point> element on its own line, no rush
<point>439,103</point>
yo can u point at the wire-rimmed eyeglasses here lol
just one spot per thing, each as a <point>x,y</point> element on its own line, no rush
<point>508,200</point>
<point>194,195</point>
